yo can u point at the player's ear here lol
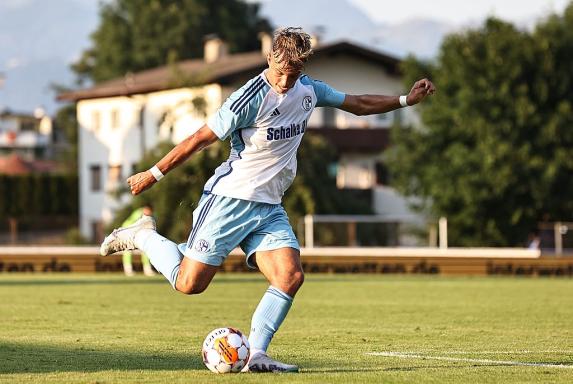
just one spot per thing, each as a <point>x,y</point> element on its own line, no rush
<point>269,59</point>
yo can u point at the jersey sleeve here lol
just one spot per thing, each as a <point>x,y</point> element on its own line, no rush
<point>326,95</point>
<point>237,112</point>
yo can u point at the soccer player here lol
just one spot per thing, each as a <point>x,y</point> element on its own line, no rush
<point>127,258</point>
<point>241,204</point>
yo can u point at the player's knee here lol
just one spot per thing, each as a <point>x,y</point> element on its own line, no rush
<point>190,286</point>
<point>298,279</point>
<point>294,282</point>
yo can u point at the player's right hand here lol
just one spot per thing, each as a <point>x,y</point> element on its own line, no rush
<point>140,182</point>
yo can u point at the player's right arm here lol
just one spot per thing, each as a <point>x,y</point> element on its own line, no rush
<point>181,152</point>
<point>235,113</point>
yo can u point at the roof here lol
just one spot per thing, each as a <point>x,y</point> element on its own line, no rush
<point>15,164</point>
<point>223,71</point>
<point>8,113</point>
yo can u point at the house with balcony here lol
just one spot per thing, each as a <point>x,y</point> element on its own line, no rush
<point>119,120</point>
<point>27,143</point>
<point>25,134</point>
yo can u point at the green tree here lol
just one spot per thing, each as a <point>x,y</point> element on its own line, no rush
<point>493,154</point>
<point>134,35</point>
<point>66,122</point>
<point>177,195</point>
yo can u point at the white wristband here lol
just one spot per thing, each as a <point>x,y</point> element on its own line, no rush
<point>156,173</point>
<point>404,101</point>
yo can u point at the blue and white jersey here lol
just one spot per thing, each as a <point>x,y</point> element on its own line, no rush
<point>266,129</point>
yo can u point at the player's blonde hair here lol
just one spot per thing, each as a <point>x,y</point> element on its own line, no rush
<point>291,47</point>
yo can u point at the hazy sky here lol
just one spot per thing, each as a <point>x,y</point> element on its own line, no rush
<point>40,38</point>
<point>458,11</point>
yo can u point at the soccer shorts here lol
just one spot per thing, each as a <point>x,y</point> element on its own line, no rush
<point>221,223</point>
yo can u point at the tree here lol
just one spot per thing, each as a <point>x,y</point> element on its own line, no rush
<point>135,35</point>
<point>493,154</point>
<point>177,195</point>
<point>66,122</point>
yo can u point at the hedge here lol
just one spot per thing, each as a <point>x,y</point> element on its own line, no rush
<point>38,195</point>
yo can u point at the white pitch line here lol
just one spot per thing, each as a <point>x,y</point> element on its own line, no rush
<point>523,352</point>
<point>483,361</point>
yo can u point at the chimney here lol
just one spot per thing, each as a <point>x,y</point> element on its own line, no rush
<point>266,42</point>
<point>214,49</point>
<point>316,35</point>
<point>314,40</point>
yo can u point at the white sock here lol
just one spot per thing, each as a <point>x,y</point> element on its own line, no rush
<point>162,252</point>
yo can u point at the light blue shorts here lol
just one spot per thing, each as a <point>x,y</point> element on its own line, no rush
<point>220,224</point>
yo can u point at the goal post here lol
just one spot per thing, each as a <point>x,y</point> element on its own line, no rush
<point>352,222</point>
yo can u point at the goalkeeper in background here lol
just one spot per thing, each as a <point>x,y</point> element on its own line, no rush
<point>127,259</point>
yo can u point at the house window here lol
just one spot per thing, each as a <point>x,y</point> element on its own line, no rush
<point>95,178</point>
<point>398,116</point>
<point>382,174</point>
<point>96,121</point>
<point>97,231</point>
<point>114,119</point>
<point>329,117</point>
<point>114,173</point>
<point>384,120</point>
<point>27,125</point>
<point>141,117</point>
<point>355,173</point>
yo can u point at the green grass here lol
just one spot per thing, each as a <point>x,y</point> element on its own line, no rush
<point>111,329</point>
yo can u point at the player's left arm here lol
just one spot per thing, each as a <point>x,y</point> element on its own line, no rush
<point>375,104</point>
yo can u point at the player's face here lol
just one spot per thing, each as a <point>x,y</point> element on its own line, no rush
<point>281,76</point>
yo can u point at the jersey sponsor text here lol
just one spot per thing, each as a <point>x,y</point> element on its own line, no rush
<point>287,132</point>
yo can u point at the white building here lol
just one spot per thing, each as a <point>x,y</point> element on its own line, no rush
<point>120,119</point>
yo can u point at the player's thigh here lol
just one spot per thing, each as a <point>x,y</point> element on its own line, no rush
<point>282,268</point>
<point>194,276</point>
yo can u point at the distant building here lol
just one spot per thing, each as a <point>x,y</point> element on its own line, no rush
<point>25,134</point>
<point>26,143</point>
<point>122,118</point>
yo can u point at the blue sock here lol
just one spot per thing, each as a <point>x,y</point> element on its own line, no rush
<point>268,317</point>
<point>163,253</point>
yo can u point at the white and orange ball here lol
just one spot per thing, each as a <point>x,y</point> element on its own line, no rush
<point>225,350</point>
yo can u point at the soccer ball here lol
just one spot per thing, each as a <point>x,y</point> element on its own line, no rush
<point>225,350</point>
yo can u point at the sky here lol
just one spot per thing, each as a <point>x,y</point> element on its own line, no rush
<point>458,11</point>
<point>40,38</point>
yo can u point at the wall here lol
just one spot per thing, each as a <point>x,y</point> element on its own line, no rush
<point>426,261</point>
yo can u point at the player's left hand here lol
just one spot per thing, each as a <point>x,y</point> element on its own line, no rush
<point>419,91</point>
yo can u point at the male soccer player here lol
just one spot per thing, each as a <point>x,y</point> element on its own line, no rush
<point>241,203</point>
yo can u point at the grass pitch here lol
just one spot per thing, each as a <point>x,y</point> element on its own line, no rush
<point>341,329</point>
